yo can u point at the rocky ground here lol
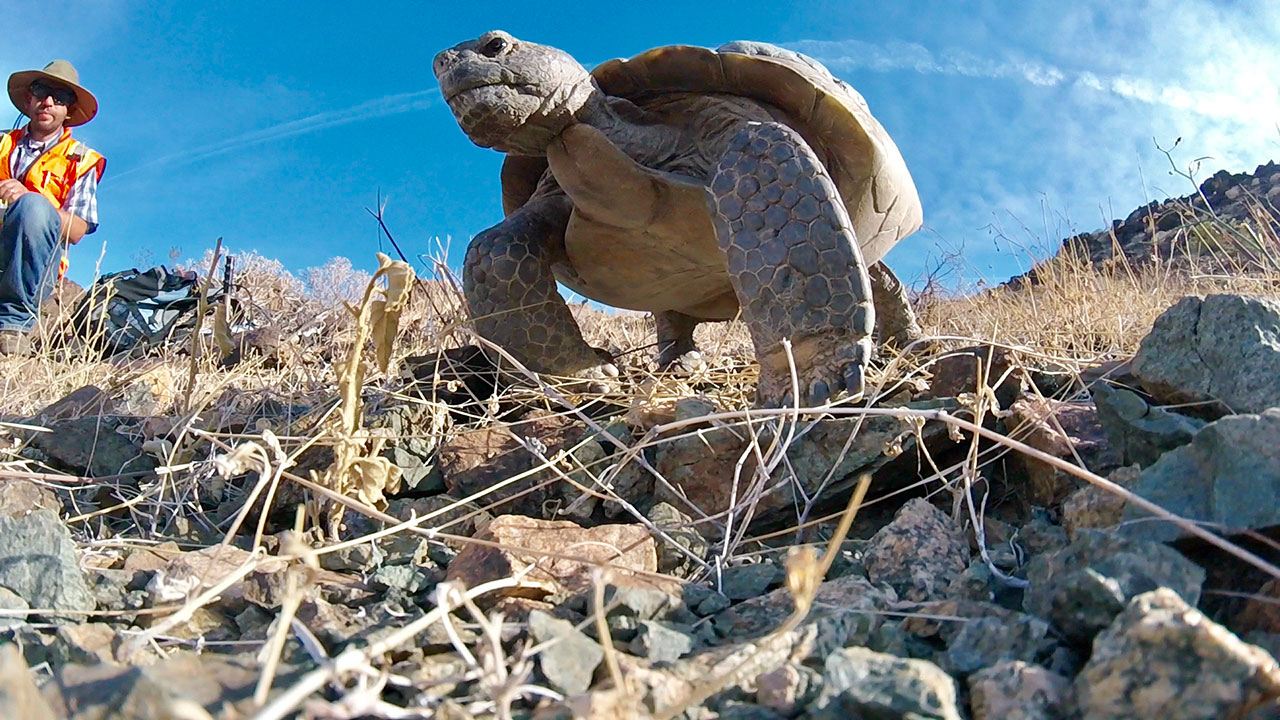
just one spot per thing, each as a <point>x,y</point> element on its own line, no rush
<point>1042,537</point>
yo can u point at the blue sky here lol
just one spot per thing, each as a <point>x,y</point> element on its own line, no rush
<point>274,125</point>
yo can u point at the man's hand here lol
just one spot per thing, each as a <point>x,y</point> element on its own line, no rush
<point>11,190</point>
<point>73,228</point>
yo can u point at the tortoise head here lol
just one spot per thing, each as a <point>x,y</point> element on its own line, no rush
<point>511,95</point>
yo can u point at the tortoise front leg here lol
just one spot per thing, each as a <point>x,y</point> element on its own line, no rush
<point>794,263</point>
<point>511,292</point>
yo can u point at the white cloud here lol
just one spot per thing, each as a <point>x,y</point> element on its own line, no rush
<point>1245,99</point>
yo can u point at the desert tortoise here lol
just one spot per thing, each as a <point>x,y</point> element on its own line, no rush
<point>687,182</point>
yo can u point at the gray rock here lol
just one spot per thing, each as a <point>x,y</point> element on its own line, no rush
<point>856,597</point>
<point>570,661</point>
<point>91,446</point>
<point>984,642</point>
<point>1140,432</point>
<point>449,515</point>
<point>646,603</point>
<point>919,553</point>
<point>402,577</point>
<point>712,604</point>
<point>662,642</point>
<point>677,526</point>
<point>38,562</point>
<point>858,682</point>
<point>1162,658</point>
<point>413,432</point>
<point>743,582</point>
<point>1229,474</point>
<point>183,685</point>
<point>110,588</point>
<point>1081,588</point>
<point>19,697</point>
<point>701,467</point>
<point>977,583</point>
<point>9,600</point>
<point>746,711</point>
<point>1017,691</point>
<point>1223,348</point>
<point>353,558</point>
<point>1040,536</point>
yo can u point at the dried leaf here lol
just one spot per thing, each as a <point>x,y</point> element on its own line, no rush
<point>371,477</point>
<point>385,314</point>
<point>399,277</point>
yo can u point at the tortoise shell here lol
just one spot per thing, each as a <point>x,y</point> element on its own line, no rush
<point>862,159</point>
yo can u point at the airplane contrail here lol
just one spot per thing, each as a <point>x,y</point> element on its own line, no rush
<point>380,107</point>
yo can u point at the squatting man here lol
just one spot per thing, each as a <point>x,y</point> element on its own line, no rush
<point>48,192</point>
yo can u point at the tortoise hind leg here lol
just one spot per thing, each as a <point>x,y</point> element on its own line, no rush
<point>675,337</point>
<point>794,263</point>
<point>896,322</point>
<point>512,295</point>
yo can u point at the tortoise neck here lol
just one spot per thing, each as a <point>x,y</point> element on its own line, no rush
<point>616,117</point>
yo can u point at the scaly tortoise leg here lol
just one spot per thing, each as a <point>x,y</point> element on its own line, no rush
<point>675,337</point>
<point>794,263</point>
<point>511,292</point>
<point>895,320</point>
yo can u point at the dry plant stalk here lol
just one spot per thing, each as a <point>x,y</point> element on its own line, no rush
<point>222,329</point>
<point>357,468</point>
<point>202,306</point>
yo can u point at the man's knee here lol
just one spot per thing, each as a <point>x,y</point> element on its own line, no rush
<point>33,211</point>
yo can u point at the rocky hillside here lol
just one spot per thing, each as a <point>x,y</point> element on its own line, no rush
<point>1223,224</point>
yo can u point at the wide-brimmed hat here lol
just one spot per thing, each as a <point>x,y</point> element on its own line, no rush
<point>59,72</point>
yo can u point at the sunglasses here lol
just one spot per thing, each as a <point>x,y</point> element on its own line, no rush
<point>61,96</point>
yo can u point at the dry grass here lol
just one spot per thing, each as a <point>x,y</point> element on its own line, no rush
<point>1092,313</point>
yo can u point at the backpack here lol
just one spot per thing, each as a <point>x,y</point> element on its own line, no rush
<point>133,310</point>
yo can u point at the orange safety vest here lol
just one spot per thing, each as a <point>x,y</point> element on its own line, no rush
<point>55,171</point>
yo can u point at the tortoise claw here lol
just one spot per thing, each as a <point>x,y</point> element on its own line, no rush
<point>819,392</point>
<point>855,379</point>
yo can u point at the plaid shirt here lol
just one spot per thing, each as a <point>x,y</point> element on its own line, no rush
<point>82,201</point>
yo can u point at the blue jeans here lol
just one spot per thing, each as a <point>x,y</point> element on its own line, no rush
<point>28,260</point>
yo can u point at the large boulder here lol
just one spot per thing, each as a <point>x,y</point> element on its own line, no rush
<point>1066,430</point>
<point>919,553</point>
<point>563,556</point>
<point>1081,588</point>
<point>38,563</point>
<point>1140,432</point>
<point>1162,658</point>
<point>1222,349</point>
<point>1017,691</point>
<point>704,470</point>
<point>1229,474</point>
<point>499,465</point>
<point>858,682</point>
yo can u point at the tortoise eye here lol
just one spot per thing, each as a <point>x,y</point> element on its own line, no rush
<point>496,47</point>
